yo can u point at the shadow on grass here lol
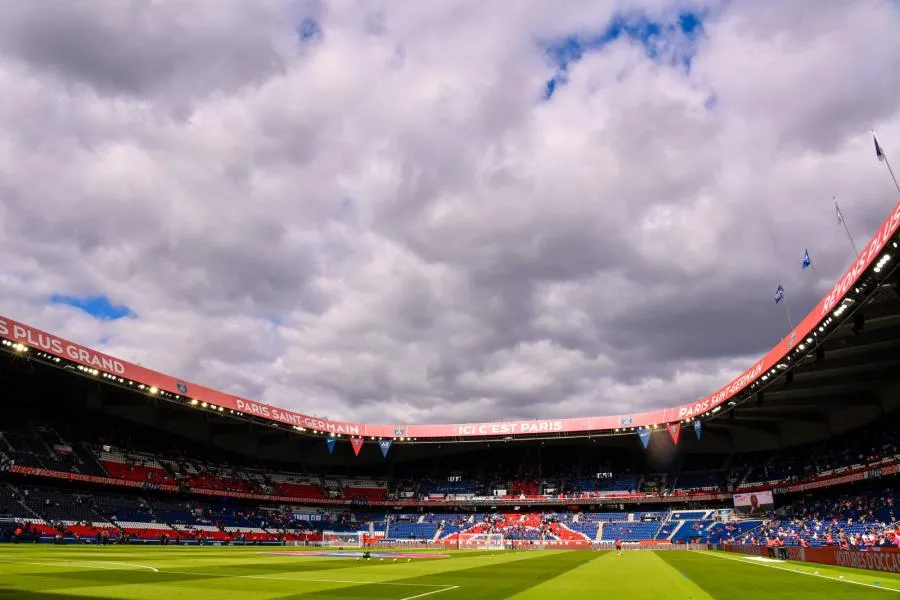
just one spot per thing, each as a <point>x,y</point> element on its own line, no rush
<point>498,580</point>
<point>8,594</point>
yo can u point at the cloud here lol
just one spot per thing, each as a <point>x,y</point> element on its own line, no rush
<point>375,211</point>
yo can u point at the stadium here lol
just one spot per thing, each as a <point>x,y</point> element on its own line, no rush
<point>122,479</point>
<point>522,260</point>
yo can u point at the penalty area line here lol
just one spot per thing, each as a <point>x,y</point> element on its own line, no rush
<point>446,589</point>
<point>82,565</point>
<point>799,572</point>
<point>312,580</point>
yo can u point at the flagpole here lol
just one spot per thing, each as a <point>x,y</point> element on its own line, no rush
<point>883,156</point>
<point>843,222</point>
<point>812,268</point>
<point>787,310</point>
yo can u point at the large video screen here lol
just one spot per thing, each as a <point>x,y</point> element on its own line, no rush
<point>754,503</point>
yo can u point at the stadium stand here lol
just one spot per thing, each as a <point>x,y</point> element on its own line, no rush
<point>88,462</point>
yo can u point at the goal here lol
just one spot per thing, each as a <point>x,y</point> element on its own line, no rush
<point>342,539</point>
<point>481,541</point>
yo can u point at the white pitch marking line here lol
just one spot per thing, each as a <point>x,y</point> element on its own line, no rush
<point>447,589</point>
<point>350,581</point>
<point>87,565</point>
<point>771,566</point>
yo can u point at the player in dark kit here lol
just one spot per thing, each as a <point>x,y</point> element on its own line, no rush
<point>618,547</point>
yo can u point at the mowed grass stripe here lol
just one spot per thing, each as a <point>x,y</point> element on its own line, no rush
<point>849,576</point>
<point>245,573</point>
<point>733,577</point>
<point>369,579</point>
<point>495,578</point>
<point>632,575</point>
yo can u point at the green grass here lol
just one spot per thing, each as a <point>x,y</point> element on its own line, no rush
<point>30,572</point>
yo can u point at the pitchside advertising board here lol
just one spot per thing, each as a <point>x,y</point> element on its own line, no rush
<point>36,339</point>
<point>754,503</point>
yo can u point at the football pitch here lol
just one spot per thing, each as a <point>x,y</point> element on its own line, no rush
<point>29,572</point>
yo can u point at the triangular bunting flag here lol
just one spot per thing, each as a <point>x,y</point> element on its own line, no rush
<point>698,425</point>
<point>644,434</point>
<point>674,431</point>
<point>357,444</point>
<point>330,442</point>
<point>385,445</point>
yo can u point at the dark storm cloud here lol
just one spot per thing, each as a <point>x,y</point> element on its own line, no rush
<point>139,48</point>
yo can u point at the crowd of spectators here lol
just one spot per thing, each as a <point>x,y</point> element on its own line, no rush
<point>510,472</point>
<point>851,521</point>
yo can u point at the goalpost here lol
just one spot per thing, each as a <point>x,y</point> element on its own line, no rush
<point>481,541</point>
<point>342,539</point>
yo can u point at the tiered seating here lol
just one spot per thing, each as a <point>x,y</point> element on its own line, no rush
<point>146,530</point>
<point>630,531</point>
<point>567,533</point>
<point>667,529</point>
<point>693,530</point>
<point>365,489</point>
<point>89,530</point>
<point>603,517</point>
<point>618,483</point>
<point>720,532</point>
<point>691,515</point>
<point>135,467</point>
<point>296,486</point>
<point>587,529</point>
<point>524,488</point>
<point>27,448</point>
<point>201,532</point>
<point>214,482</point>
<point>403,530</point>
<point>446,488</point>
<point>708,481</point>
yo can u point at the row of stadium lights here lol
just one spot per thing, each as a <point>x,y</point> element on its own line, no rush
<point>155,391</point>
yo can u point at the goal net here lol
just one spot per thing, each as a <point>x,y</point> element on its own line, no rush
<point>481,541</point>
<point>342,539</point>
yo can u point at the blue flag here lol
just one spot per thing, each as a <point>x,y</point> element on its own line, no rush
<point>331,442</point>
<point>697,427</point>
<point>879,153</point>
<point>644,434</point>
<point>385,445</point>
<point>779,294</point>
<point>807,261</point>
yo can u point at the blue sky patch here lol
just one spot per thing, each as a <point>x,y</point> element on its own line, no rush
<point>654,37</point>
<point>308,30</point>
<point>99,307</point>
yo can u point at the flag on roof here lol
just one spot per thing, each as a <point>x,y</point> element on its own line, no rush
<point>644,434</point>
<point>674,431</point>
<point>385,445</point>
<point>878,151</point>
<point>357,444</point>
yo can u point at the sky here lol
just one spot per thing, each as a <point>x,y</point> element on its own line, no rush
<point>400,211</point>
